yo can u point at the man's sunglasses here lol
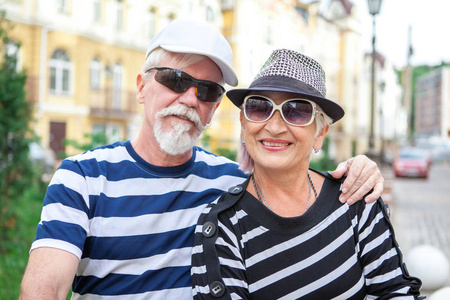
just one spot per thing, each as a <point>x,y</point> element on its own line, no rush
<point>179,82</point>
<point>296,112</point>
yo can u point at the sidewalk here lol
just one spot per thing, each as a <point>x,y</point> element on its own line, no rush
<point>419,212</point>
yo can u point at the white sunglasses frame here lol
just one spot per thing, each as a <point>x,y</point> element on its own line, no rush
<point>278,107</point>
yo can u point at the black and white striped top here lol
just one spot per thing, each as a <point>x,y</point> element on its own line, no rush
<point>334,251</point>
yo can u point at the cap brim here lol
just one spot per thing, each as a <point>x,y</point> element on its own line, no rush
<point>229,76</point>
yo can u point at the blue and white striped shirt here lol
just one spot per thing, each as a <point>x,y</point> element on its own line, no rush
<point>130,223</point>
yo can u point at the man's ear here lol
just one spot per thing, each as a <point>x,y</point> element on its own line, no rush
<point>213,112</point>
<point>140,83</point>
<point>217,106</point>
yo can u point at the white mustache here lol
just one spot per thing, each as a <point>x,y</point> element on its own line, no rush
<point>183,112</point>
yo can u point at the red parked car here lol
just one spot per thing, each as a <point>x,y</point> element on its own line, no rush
<point>412,162</point>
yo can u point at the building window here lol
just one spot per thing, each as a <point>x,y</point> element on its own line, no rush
<point>151,22</point>
<point>112,132</point>
<point>12,51</point>
<point>63,6</point>
<point>119,15</point>
<point>97,10</point>
<point>209,14</point>
<point>60,72</point>
<point>95,72</point>
<point>270,25</point>
<point>117,86</point>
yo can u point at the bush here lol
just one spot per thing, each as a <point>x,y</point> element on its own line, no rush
<point>14,249</point>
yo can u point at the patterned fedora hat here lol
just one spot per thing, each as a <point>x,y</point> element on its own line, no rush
<point>290,71</point>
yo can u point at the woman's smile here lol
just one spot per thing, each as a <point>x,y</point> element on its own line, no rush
<point>270,144</point>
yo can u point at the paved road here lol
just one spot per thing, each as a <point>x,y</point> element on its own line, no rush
<point>420,209</point>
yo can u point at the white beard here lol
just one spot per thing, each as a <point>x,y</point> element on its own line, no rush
<point>177,140</point>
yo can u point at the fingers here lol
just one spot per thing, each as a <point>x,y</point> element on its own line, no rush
<point>342,169</point>
<point>376,193</point>
<point>363,176</point>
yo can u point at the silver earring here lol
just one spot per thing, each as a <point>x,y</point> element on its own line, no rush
<point>316,151</point>
<point>242,142</point>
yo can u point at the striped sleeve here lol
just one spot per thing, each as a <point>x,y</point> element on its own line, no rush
<point>383,267</point>
<point>64,220</point>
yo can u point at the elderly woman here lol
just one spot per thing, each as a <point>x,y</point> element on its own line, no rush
<point>283,234</point>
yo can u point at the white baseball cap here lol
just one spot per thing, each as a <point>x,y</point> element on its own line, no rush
<point>186,36</point>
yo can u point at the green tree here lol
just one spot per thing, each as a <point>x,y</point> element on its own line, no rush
<point>325,162</point>
<point>16,169</point>
<point>90,141</point>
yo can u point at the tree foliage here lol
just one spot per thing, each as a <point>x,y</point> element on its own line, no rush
<point>90,141</point>
<point>16,170</point>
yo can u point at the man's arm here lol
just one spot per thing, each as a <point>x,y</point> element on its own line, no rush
<point>363,175</point>
<point>49,274</point>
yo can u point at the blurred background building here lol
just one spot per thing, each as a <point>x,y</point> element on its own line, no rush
<point>432,111</point>
<point>82,58</point>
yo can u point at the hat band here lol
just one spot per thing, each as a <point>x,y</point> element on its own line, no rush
<point>283,83</point>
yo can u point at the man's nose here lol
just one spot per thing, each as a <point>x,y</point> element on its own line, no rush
<point>189,97</point>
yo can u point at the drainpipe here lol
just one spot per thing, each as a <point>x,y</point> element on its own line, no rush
<point>42,71</point>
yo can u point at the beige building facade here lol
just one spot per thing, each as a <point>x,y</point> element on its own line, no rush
<point>82,58</point>
<point>328,31</point>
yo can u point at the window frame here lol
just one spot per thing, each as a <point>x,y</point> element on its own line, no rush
<point>60,73</point>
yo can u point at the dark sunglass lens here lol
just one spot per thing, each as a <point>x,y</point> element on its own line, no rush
<point>175,80</point>
<point>169,78</point>
<point>209,92</point>
<point>179,82</point>
<point>202,92</point>
<point>258,109</point>
<point>297,112</point>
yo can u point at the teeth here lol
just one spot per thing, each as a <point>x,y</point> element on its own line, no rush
<point>181,117</point>
<point>265,143</point>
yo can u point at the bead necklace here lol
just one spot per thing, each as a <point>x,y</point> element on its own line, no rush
<point>263,200</point>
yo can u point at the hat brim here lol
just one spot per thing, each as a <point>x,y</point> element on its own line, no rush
<point>286,84</point>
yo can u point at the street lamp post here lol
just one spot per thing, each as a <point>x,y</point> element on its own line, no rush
<point>374,9</point>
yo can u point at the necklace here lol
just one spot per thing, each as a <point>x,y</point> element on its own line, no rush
<point>264,201</point>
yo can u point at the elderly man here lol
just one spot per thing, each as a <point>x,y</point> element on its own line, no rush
<point>118,221</point>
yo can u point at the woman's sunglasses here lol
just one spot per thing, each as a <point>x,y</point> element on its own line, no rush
<point>296,112</point>
<point>179,82</point>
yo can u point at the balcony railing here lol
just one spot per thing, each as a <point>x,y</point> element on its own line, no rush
<point>110,103</point>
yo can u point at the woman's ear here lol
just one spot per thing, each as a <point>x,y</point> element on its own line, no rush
<point>318,141</point>
<point>242,120</point>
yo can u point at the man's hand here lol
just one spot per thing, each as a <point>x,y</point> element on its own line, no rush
<point>363,175</point>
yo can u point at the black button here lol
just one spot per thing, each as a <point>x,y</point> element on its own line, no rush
<point>217,289</point>
<point>235,190</point>
<point>209,229</point>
